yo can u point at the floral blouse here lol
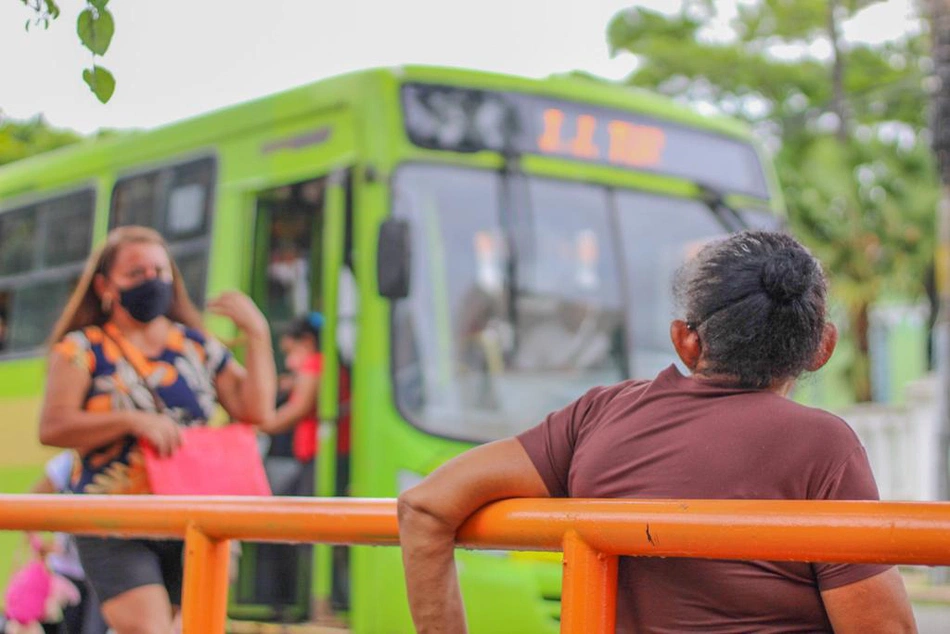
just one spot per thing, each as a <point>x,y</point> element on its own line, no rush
<point>182,375</point>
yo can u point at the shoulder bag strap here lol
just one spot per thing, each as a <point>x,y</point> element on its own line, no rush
<point>112,334</point>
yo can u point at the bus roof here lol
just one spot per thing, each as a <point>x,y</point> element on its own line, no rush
<point>98,154</point>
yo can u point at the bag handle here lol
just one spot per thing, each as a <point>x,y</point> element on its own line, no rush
<point>136,361</point>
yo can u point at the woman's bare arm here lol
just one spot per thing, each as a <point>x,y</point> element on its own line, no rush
<point>431,512</point>
<point>247,393</point>
<point>302,402</point>
<point>64,422</point>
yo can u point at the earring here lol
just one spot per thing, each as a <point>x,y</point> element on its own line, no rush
<point>107,304</point>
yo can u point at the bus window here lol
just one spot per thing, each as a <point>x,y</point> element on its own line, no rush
<point>185,209</point>
<point>35,310</point>
<point>188,200</point>
<point>18,241</point>
<point>505,301</point>
<point>134,201</point>
<point>659,234</point>
<point>42,251</point>
<point>69,236</point>
<point>175,200</point>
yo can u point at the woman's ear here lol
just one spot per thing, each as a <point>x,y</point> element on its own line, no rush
<point>829,339</point>
<point>687,344</point>
<point>100,285</point>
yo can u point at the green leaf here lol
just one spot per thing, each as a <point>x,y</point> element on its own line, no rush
<point>52,9</point>
<point>95,30</point>
<point>100,81</point>
<point>99,4</point>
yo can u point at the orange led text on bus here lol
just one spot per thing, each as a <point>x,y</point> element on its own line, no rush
<point>628,143</point>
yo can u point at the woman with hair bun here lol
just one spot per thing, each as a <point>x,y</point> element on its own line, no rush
<point>753,318</point>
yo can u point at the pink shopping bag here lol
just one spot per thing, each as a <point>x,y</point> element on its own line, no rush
<point>210,461</point>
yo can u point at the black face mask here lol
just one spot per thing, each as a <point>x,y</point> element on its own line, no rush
<point>147,301</point>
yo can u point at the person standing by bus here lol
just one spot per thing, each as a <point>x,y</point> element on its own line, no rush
<point>753,320</point>
<point>300,345</point>
<point>130,363</point>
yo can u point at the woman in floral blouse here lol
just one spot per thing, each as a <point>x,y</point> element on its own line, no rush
<point>130,362</point>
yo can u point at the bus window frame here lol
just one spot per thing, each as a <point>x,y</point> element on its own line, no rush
<point>187,246</point>
<point>40,273</point>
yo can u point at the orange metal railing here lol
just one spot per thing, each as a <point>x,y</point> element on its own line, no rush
<point>591,533</point>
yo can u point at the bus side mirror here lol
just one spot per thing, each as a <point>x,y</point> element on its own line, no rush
<point>393,259</point>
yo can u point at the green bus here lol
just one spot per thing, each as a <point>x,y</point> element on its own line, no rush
<point>484,247</point>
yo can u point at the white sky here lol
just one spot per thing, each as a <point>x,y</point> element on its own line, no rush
<point>177,58</point>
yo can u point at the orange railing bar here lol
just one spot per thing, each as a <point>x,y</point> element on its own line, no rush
<point>206,576</point>
<point>589,588</point>
<point>592,533</point>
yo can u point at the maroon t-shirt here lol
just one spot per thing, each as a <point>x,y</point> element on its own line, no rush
<point>678,437</point>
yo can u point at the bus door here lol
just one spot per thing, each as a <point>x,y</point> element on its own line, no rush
<point>298,243</point>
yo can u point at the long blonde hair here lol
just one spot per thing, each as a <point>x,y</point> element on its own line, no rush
<point>84,307</point>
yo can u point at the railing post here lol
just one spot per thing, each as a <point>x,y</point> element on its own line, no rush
<point>205,588</point>
<point>589,591</point>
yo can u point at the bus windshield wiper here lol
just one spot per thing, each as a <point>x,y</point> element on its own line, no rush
<point>725,214</point>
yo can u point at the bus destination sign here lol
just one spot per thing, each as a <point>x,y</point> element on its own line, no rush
<point>466,120</point>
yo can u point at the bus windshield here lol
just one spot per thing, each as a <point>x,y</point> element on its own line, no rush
<point>526,292</point>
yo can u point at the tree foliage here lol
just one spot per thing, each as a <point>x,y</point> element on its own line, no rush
<point>95,27</point>
<point>19,140</point>
<point>848,123</point>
